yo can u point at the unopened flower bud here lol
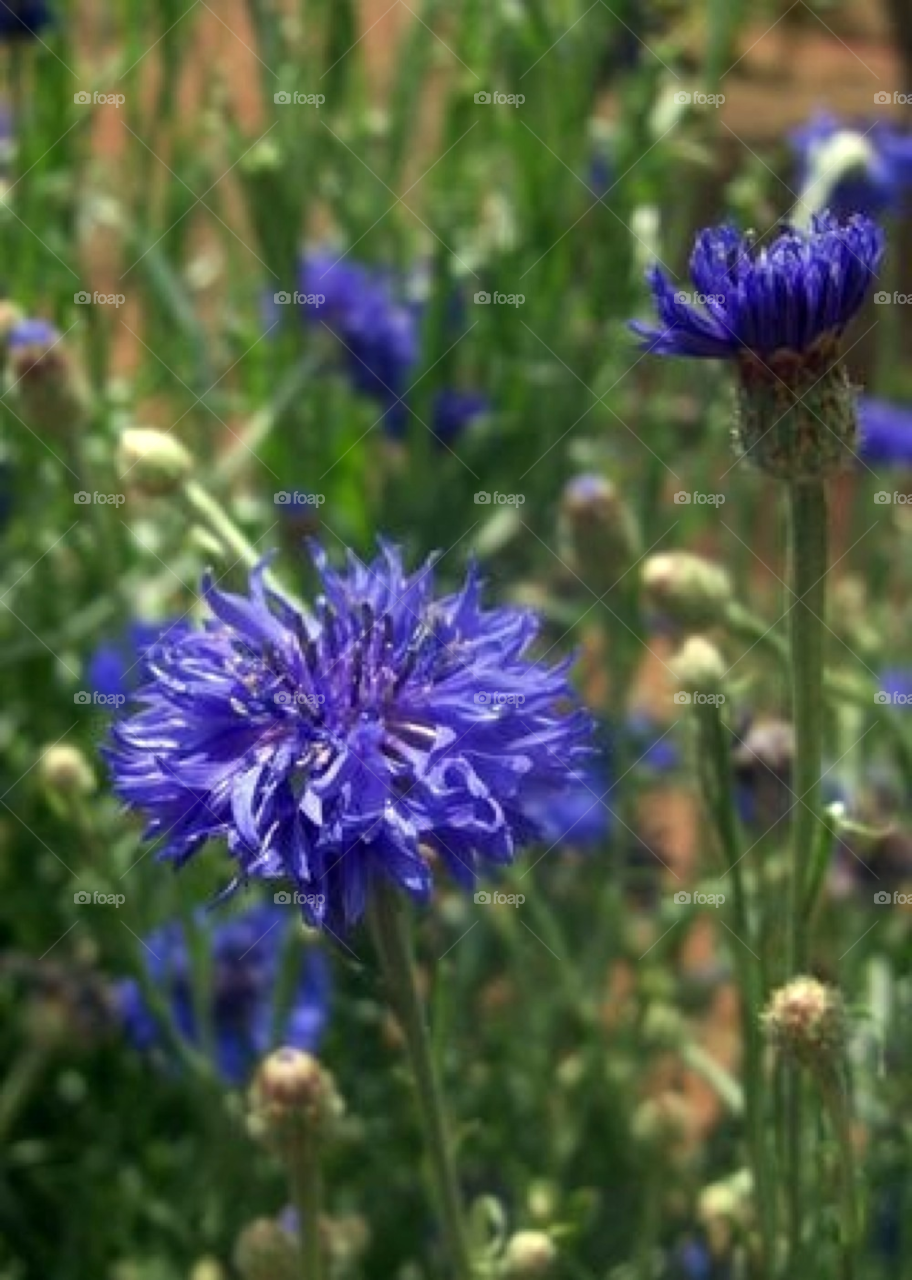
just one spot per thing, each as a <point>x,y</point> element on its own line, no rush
<point>686,588</point>
<point>292,1092</point>
<point>598,532</point>
<point>806,1019</point>
<point>208,1269</point>
<point>528,1253</point>
<point>50,394</point>
<point>266,1251</point>
<point>153,462</point>
<point>662,1121</point>
<point>66,770</point>
<point>698,665</point>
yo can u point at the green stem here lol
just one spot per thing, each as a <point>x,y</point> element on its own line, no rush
<point>307,1192</point>
<point>808,554</point>
<point>836,1096</point>
<point>393,942</point>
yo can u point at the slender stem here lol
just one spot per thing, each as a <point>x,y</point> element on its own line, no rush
<point>808,530</point>
<point>307,1192</point>
<point>393,942</point>
<point>836,1097</point>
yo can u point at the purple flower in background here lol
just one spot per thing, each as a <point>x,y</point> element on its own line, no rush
<point>358,743</point>
<point>116,666</point>
<point>452,411</point>
<point>23,17</point>
<point>863,167</point>
<point>246,956</point>
<point>377,330</point>
<point>886,433</point>
<point>787,297</point>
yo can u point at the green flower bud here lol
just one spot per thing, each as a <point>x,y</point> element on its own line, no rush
<point>698,665</point>
<point>153,462</point>
<point>292,1095</point>
<point>265,1251</point>
<point>50,393</point>
<point>686,588</point>
<point>66,770</point>
<point>598,533</point>
<point>528,1254</point>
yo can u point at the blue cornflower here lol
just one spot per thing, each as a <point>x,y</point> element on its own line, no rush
<point>116,666</point>
<point>246,956</point>
<point>778,311</point>
<point>378,331</point>
<point>886,433</point>
<point>388,729</point>
<point>852,168</point>
<point>23,17</point>
<point>452,411</point>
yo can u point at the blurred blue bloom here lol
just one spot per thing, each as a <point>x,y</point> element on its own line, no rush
<point>694,1260</point>
<point>116,666</point>
<point>651,749</point>
<point>577,815</point>
<point>793,295</point>
<point>23,17</point>
<point>886,433</point>
<point>33,332</point>
<point>897,683</point>
<point>860,168</point>
<point>453,411</point>
<point>379,332</point>
<point>246,956</point>
<point>335,748</point>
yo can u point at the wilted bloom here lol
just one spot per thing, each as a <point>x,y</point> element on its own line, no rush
<point>778,311</point>
<point>23,17</point>
<point>860,168</point>
<point>246,956</point>
<point>886,433</point>
<point>807,1020</point>
<point>356,743</point>
<point>116,666</point>
<point>376,328</point>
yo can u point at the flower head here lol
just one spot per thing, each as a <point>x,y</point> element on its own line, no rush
<point>453,411</point>
<point>852,168</point>
<point>246,955</point>
<point>389,730</point>
<point>778,311</point>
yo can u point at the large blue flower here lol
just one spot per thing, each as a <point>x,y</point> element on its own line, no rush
<point>858,168</point>
<point>389,730</point>
<point>767,305</point>
<point>247,1020</point>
